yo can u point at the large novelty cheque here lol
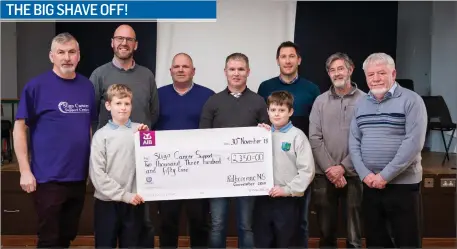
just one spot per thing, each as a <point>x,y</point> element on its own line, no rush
<point>203,163</point>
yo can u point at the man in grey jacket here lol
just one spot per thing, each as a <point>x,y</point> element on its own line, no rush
<point>336,178</point>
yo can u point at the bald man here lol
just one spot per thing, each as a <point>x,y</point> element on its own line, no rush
<point>123,69</point>
<point>145,109</point>
<point>181,104</point>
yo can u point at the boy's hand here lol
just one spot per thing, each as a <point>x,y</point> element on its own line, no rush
<point>264,126</point>
<point>136,200</point>
<point>277,191</point>
<point>143,127</point>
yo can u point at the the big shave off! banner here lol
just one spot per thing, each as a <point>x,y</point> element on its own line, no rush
<point>139,10</point>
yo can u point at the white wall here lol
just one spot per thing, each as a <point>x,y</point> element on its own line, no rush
<point>444,62</point>
<point>254,27</point>
<point>414,44</point>
<point>427,54</point>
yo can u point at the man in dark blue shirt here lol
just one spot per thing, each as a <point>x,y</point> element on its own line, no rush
<point>181,104</point>
<point>304,92</point>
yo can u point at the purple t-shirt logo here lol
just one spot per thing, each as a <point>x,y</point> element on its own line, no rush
<point>147,138</point>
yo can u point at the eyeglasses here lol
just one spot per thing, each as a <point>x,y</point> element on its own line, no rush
<point>121,39</point>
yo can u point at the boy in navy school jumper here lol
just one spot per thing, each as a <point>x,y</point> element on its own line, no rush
<point>118,209</point>
<point>276,216</point>
<point>181,104</point>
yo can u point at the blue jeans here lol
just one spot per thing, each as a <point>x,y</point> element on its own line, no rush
<point>303,232</point>
<point>219,215</point>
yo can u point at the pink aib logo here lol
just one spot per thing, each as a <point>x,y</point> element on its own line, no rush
<point>147,138</point>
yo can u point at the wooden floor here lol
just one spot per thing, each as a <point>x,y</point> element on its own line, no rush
<point>431,161</point>
<point>11,242</point>
<point>88,242</point>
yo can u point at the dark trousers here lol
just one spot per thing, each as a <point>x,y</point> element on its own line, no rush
<point>117,222</point>
<point>397,206</point>
<point>58,206</point>
<point>326,200</point>
<point>302,230</point>
<point>147,230</point>
<point>197,215</point>
<point>274,220</point>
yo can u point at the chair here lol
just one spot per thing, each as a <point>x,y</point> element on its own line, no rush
<point>406,83</point>
<point>437,110</point>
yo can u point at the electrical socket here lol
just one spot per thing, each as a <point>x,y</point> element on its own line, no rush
<point>448,182</point>
<point>428,182</point>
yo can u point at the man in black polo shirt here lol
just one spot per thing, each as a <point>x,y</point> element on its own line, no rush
<point>236,106</point>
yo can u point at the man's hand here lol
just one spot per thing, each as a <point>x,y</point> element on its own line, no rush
<point>28,181</point>
<point>334,173</point>
<point>264,126</point>
<point>136,200</point>
<point>368,180</point>
<point>378,182</point>
<point>143,127</point>
<point>341,182</point>
<point>277,191</point>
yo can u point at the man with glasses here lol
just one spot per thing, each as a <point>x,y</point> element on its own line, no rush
<point>123,69</point>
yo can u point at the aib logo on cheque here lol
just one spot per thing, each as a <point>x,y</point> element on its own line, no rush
<point>147,138</point>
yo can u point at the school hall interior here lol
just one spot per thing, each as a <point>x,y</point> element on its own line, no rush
<point>420,36</point>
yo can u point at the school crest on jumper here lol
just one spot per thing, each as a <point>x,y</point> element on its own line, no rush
<point>285,146</point>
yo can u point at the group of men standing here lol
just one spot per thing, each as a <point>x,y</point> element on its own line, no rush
<point>366,146</point>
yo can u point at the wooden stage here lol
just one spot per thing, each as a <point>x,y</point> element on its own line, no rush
<point>18,226</point>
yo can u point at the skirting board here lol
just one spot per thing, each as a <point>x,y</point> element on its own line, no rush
<point>88,241</point>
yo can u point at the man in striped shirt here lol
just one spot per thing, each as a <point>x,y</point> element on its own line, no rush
<point>385,142</point>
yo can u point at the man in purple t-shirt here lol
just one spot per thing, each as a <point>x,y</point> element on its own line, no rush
<point>57,108</point>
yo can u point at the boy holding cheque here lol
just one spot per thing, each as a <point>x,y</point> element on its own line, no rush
<point>277,215</point>
<point>118,209</point>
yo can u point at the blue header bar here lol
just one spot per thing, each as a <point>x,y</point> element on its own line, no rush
<point>145,10</point>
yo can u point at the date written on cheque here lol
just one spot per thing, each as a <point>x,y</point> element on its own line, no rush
<point>249,157</point>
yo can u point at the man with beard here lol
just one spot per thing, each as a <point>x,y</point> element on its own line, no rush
<point>304,93</point>
<point>124,69</point>
<point>386,138</point>
<point>145,109</point>
<point>56,108</point>
<point>336,179</point>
